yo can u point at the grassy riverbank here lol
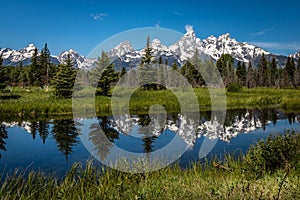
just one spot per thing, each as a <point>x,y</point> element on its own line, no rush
<point>35,102</point>
<point>269,170</point>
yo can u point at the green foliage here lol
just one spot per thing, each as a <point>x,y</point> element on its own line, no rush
<point>234,87</point>
<point>174,66</point>
<point>103,75</point>
<point>290,69</point>
<point>1,60</point>
<point>193,76</point>
<point>44,64</point>
<point>241,73</point>
<point>280,151</point>
<point>263,73</point>
<point>225,67</point>
<point>64,80</point>
<point>148,72</point>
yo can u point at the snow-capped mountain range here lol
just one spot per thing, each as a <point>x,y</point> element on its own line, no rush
<point>125,55</point>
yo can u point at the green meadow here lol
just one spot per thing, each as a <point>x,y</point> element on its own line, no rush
<point>36,102</point>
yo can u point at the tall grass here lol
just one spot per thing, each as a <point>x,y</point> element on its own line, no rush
<point>219,179</point>
<point>36,102</point>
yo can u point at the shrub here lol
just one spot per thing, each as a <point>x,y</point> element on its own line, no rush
<point>234,87</point>
<point>276,152</point>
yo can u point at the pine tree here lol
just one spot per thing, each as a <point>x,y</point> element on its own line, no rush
<point>225,67</point>
<point>290,69</point>
<point>104,75</point>
<point>166,62</point>
<point>35,70</point>
<point>44,62</point>
<point>251,73</point>
<point>160,60</point>
<point>147,72</point>
<point>297,78</point>
<point>64,79</point>
<point>2,75</point>
<point>174,66</point>
<point>123,71</point>
<point>241,73</point>
<point>263,71</point>
<point>273,72</point>
<point>1,60</point>
<point>109,76</point>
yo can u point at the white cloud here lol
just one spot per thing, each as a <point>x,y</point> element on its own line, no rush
<point>99,16</point>
<point>293,46</point>
<point>262,32</point>
<point>177,13</point>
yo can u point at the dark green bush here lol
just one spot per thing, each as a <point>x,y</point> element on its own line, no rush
<point>234,87</point>
<point>280,151</point>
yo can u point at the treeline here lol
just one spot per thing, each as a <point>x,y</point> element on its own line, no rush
<point>42,73</point>
<point>265,74</point>
<point>39,73</point>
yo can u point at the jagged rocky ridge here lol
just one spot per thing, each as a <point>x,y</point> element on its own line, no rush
<point>124,55</point>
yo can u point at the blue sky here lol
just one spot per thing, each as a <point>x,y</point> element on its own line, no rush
<point>83,24</point>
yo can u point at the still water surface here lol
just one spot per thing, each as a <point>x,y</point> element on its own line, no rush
<point>52,146</point>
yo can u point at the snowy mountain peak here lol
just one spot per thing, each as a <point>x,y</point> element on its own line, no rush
<point>158,46</point>
<point>125,55</point>
<point>225,36</point>
<point>122,49</point>
<point>295,55</point>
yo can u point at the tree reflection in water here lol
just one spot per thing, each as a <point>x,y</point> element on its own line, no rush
<point>103,142</point>
<point>66,135</point>
<point>3,135</point>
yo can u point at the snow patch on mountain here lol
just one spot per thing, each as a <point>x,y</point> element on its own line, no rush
<point>224,44</point>
<point>184,49</point>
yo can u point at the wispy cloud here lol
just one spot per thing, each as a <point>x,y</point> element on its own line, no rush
<point>293,46</point>
<point>262,32</point>
<point>177,13</point>
<point>157,25</point>
<point>99,16</point>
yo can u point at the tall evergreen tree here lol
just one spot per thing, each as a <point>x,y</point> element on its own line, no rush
<point>123,71</point>
<point>3,79</point>
<point>64,79</point>
<point>1,60</point>
<point>297,78</point>
<point>160,60</point>
<point>21,75</point>
<point>147,71</point>
<point>35,70</point>
<point>249,75</point>
<point>263,71</point>
<point>225,67</point>
<point>175,66</point>
<point>273,72</point>
<point>104,75</point>
<point>44,62</point>
<point>241,73</point>
<point>290,69</point>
